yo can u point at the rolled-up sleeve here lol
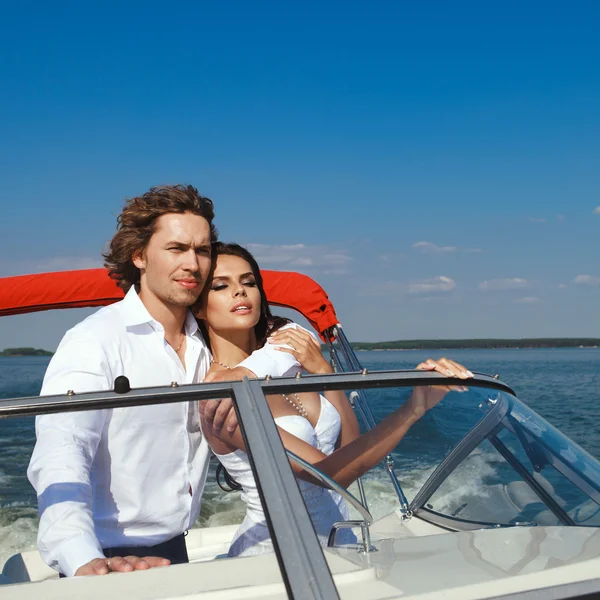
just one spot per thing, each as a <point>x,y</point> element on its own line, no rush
<point>60,465</point>
<point>270,361</point>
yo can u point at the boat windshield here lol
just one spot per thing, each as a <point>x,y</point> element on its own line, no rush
<point>479,458</point>
<point>483,458</point>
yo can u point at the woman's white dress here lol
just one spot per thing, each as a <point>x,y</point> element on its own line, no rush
<point>325,507</point>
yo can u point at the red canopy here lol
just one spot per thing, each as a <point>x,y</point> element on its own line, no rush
<point>93,287</point>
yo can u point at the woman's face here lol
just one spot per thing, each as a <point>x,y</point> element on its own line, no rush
<point>232,300</point>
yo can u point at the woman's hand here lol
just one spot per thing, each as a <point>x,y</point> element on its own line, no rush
<point>304,348</point>
<point>424,398</point>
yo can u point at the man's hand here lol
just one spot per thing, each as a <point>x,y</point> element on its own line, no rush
<point>216,413</point>
<point>119,564</point>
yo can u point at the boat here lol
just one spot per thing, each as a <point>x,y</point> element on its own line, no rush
<point>509,509</point>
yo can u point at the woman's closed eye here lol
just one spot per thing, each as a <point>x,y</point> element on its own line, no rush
<point>216,287</point>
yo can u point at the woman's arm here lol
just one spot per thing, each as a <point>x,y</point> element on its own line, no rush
<point>348,463</point>
<point>356,454</point>
<point>345,464</point>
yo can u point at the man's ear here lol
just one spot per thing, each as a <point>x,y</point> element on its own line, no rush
<point>138,259</point>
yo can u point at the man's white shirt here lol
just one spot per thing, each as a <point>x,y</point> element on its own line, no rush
<point>123,476</point>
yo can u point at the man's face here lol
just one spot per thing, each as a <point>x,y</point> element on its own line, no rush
<point>176,263</point>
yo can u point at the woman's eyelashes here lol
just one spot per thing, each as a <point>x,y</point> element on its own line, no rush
<point>221,285</point>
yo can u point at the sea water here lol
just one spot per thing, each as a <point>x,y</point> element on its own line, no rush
<point>562,385</point>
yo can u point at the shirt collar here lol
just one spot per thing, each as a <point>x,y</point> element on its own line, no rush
<point>135,313</point>
<point>191,325</point>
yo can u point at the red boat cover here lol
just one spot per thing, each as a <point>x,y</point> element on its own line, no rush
<point>93,287</point>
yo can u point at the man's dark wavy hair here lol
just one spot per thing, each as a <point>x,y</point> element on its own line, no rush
<point>137,223</point>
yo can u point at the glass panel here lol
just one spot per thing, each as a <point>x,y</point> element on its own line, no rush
<point>485,488</point>
<point>569,497</point>
<point>425,445</point>
<point>561,447</point>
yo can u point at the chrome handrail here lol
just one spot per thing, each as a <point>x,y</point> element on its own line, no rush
<point>39,405</point>
<point>367,517</point>
<point>359,400</point>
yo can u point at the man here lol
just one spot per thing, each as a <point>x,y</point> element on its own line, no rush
<point>117,484</point>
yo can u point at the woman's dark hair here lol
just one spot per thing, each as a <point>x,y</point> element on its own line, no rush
<point>267,323</point>
<point>229,484</point>
<point>137,222</point>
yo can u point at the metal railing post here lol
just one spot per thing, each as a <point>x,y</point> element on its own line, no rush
<point>303,566</point>
<point>359,399</point>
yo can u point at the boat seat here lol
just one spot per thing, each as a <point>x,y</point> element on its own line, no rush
<point>586,513</point>
<point>524,499</point>
<point>528,503</point>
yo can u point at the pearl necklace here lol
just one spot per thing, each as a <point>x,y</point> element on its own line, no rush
<point>299,407</point>
<point>216,362</point>
<point>297,404</point>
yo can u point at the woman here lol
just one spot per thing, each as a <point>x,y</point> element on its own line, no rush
<point>236,320</point>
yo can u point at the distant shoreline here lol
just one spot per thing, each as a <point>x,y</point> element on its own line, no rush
<point>25,352</point>
<point>478,344</point>
<point>466,344</point>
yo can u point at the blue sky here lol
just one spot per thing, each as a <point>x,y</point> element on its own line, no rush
<point>434,165</point>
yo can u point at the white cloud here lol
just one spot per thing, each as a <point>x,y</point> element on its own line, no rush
<point>69,263</point>
<point>537,220</point>
<point>335,259</point>
<point>435,284</point>
<point>431,248</point>
<point>596,210</point>
<point>335,271</point>
<point>391,258</point>
<point>49,265</point>
<point>586,280</point>
<point>527,300</point>
<point>503,284</point>
<point>295,256</point>
<point>423,287</point>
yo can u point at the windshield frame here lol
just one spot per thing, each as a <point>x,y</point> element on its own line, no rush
<point>509,413</point>
<point>303,567</point>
